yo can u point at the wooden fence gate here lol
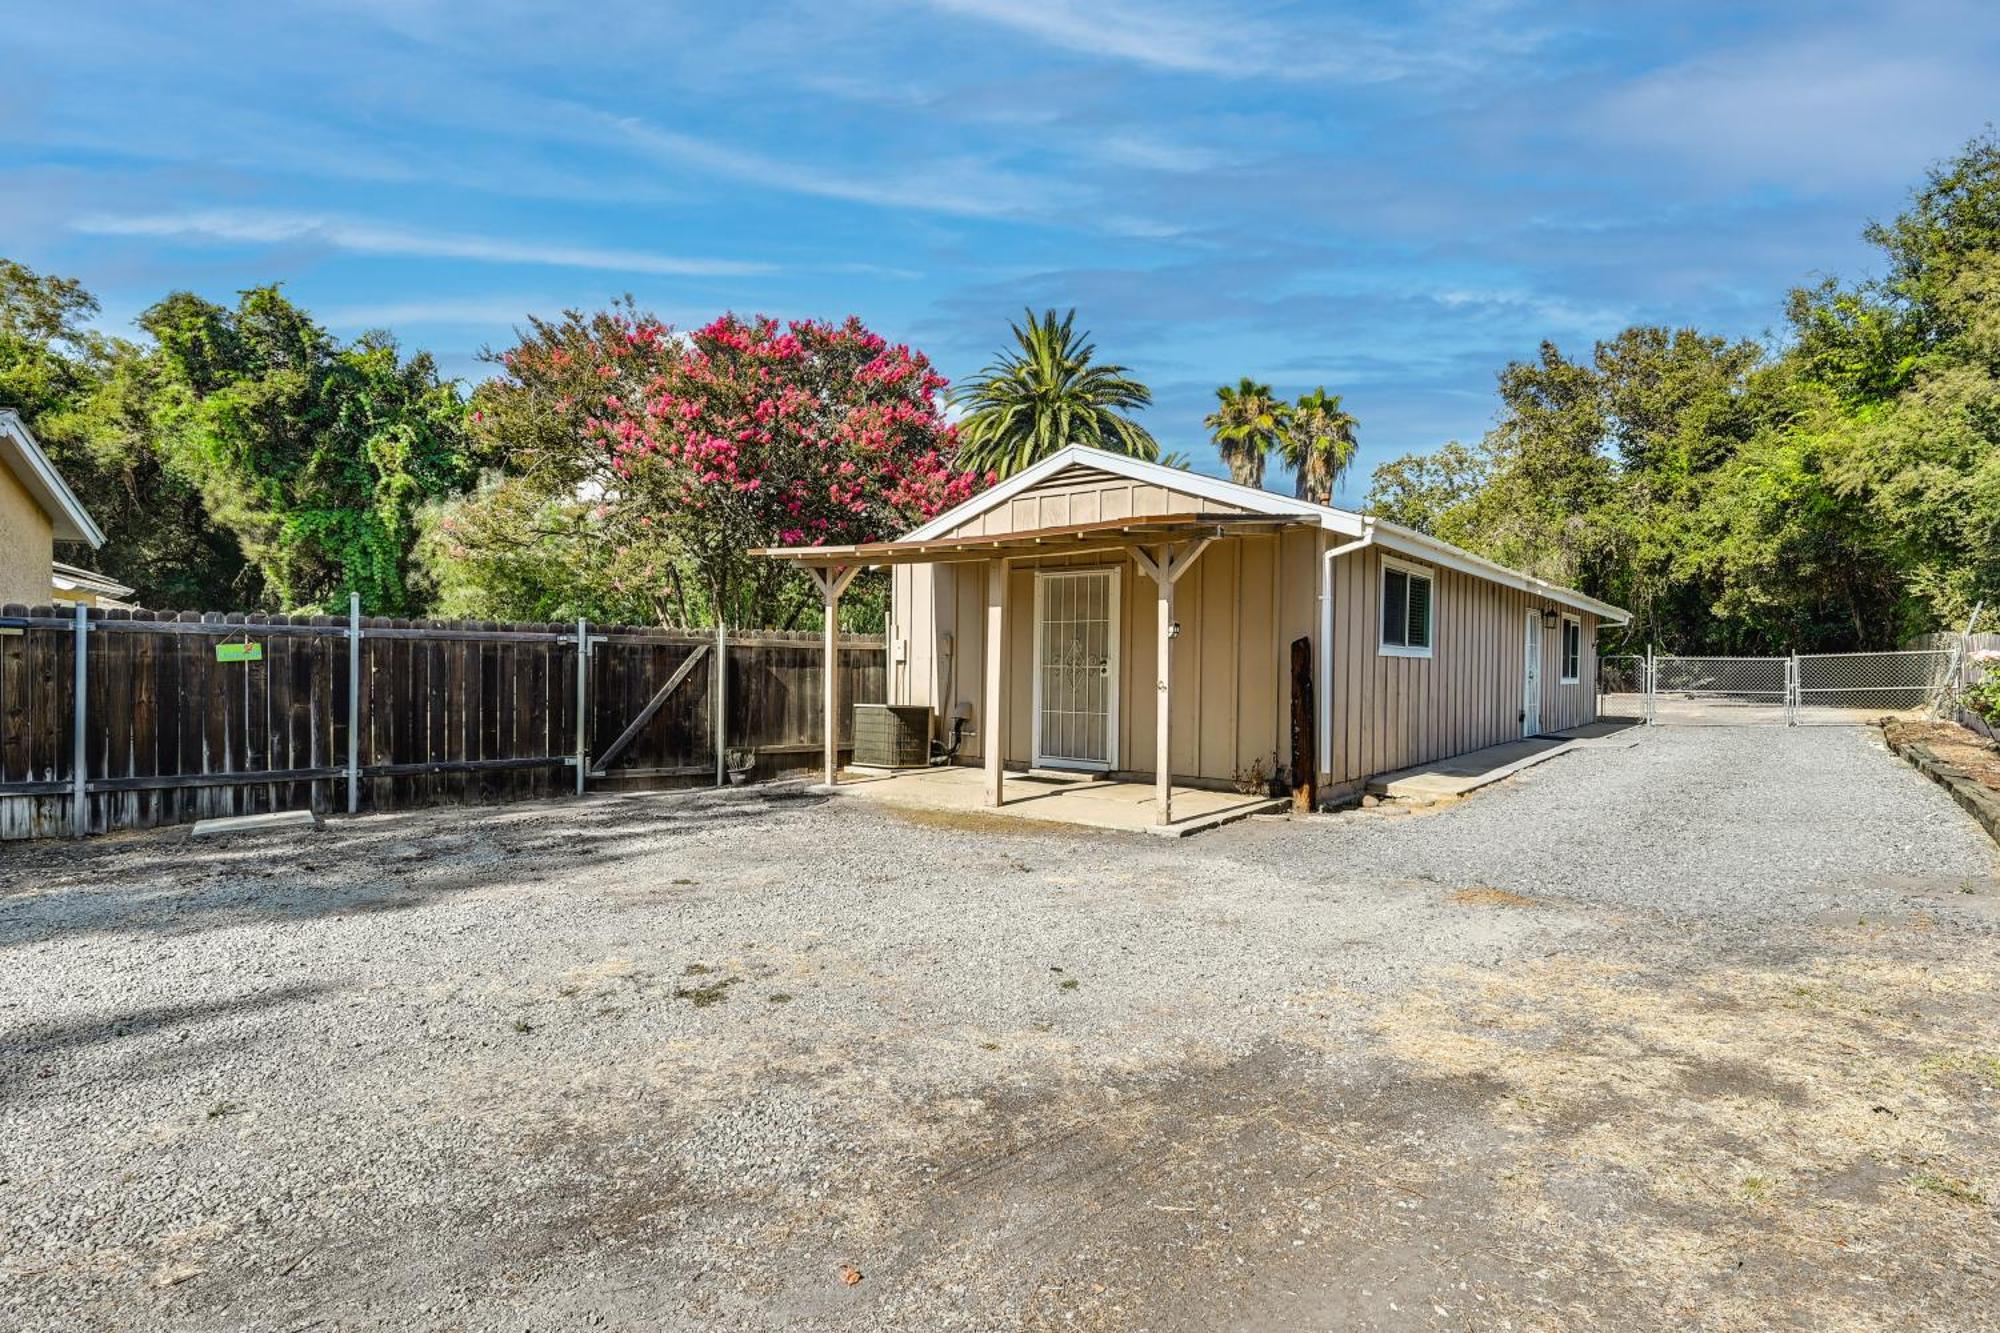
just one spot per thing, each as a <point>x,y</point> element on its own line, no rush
<point>130,719</point>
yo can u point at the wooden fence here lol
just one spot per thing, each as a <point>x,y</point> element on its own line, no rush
<point>453,711</point>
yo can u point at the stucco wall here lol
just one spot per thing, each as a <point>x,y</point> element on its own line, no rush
<point>27,545</point>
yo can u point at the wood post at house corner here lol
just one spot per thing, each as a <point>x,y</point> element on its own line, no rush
<point>1305,732</point>
<point>993,743</point>
<point>832,581</point>
<point>1163,717</point>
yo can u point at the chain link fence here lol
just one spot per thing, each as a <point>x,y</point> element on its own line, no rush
<point>1789,691</point>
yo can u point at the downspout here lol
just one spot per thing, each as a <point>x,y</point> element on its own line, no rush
<point>1325,710</point>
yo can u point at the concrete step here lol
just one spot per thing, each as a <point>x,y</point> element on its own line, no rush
<point>1067,776</point>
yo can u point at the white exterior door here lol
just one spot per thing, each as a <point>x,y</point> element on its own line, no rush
<point>1076,668</point>
<point>1531,688</point>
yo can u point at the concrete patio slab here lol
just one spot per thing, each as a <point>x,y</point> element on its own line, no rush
<point>1459,774</point>
<point>1122,806</point>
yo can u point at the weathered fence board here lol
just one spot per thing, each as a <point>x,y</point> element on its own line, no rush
<point>449,712</point>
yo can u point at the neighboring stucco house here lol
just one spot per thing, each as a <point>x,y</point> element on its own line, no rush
<point>37,510</point>
<point>1036,610</point>
<point>73,584</point>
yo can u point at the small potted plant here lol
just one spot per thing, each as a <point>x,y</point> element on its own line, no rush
<point>739,763</point>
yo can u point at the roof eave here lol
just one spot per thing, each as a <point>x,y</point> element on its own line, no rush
<point>39,477</point>
<point>1410,542</point>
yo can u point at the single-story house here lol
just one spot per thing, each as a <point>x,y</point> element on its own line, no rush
<point>37,510</point>
<point>1035,612</point>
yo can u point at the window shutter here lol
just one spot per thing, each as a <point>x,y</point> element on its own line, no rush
<point>1395,608</point>
<point>1420,613</point>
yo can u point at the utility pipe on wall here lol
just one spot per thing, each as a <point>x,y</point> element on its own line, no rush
<point>1325,686</point>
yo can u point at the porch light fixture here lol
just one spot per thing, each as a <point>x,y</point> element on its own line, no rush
<point>1550,616</point>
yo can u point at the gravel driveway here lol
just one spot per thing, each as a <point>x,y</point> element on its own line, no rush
<point>1703,1031</point>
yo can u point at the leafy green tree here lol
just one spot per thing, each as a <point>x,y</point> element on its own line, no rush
<point>1429,492</point>
<point>1047,393</point>
<point>1842,493</point>
<point>88,399</point>
<point>314,454</point>
<point>638,466</point>
<point>1317,442</point>
<point>1247,423</point>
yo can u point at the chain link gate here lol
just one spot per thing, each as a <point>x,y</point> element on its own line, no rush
<point>1859,687</point>
<point>1789,691</point>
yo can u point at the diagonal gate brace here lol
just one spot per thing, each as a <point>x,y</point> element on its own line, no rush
<point>660,696</point>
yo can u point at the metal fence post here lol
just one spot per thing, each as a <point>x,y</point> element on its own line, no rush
<point>1652,683</point>
<point>721,694</point>
<point>354,703</point>
<point>1792,690</point>
<point>79,759</point>
<point>582,702</point>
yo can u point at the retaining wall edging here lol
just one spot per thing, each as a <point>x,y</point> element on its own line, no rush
<point>1980,801</point>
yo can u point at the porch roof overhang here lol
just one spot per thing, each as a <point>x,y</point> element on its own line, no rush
<point>1065,539</point>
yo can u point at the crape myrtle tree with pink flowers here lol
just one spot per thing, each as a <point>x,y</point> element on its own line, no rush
<point>636,466</point>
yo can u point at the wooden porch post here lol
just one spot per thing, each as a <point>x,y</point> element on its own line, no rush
<point>1163,720</point>
<point>832,581</point>
<point>1166,569</point>
<point>993,743</point>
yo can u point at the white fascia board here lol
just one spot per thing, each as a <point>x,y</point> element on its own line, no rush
<point>1137,469</point>
<point>1418,546</point>
<point>71,521</point>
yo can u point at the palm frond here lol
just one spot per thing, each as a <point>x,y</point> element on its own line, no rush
<point>1047,392</point>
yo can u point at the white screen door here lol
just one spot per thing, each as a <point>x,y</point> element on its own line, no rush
<point>1531,689</point>
<point>1076,668</point>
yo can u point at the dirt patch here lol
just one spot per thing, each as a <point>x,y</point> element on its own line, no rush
<point>1482,895</point>
<point>1802,1151</point>
<point>1961,747</point>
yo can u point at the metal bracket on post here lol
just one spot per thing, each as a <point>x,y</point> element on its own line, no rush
<point>79,760</point>
<point>354,703</point>
<point>720,668</point>
<point>582,702</point>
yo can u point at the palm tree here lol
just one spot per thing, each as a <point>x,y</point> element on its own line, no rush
<point>1318,444</point>
<point>1246,423</point>
<point>1046,394</point>
<point>1176,459</point>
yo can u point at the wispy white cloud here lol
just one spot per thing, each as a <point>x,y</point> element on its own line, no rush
<point>217,226</point>
<point>965,187</point>
<point>436,312</point>
<point>1230,42</point>
<point>1146,34</point>
<point>1834,107</point>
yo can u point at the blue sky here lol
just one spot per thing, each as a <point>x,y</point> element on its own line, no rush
<point>1391,200</point>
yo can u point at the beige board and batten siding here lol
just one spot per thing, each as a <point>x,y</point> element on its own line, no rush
<point>1085,495</point>
<point>1238,608</point>
<point>1391,712</point>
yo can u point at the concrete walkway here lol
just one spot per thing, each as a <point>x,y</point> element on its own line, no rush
<point>1123,806</point>
<point>1444,778</point>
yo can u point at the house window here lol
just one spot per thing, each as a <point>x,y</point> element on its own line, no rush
<point>1407,610</point>
<point>1572,649</point>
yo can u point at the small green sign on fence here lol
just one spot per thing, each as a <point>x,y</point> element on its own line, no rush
<point>239,652</point>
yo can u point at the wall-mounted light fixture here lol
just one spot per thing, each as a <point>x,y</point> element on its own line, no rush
<point>1550,616</point>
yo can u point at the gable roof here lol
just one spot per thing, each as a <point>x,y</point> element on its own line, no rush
<point>1344,522</point>
<point>20,453</point>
